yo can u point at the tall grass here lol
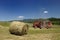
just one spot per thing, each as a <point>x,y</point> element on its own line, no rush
<point>54,29</point>
<point>4,23</point>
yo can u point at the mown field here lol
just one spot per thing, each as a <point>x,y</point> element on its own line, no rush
<point>33,34</point>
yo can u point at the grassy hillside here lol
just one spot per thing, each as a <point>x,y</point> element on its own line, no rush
<point>33,34</point>
<point>4,23</point>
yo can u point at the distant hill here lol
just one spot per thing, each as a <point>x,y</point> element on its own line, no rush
<point>53,20</point>
<point>26,20</point>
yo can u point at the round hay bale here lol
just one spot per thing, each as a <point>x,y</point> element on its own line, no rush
<point>18,28</point>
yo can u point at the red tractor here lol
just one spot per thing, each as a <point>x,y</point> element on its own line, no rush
<point>37,24</point>
<point>40,24</point>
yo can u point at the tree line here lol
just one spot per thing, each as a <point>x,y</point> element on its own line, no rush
<point>55,21</point>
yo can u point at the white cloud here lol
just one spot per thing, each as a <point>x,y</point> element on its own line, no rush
<point>21,17</point>
<point>45,11</point>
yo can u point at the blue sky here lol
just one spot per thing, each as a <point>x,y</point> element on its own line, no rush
<point>26,9</point>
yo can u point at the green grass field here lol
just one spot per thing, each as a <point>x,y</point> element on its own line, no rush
<point>33,34</point>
